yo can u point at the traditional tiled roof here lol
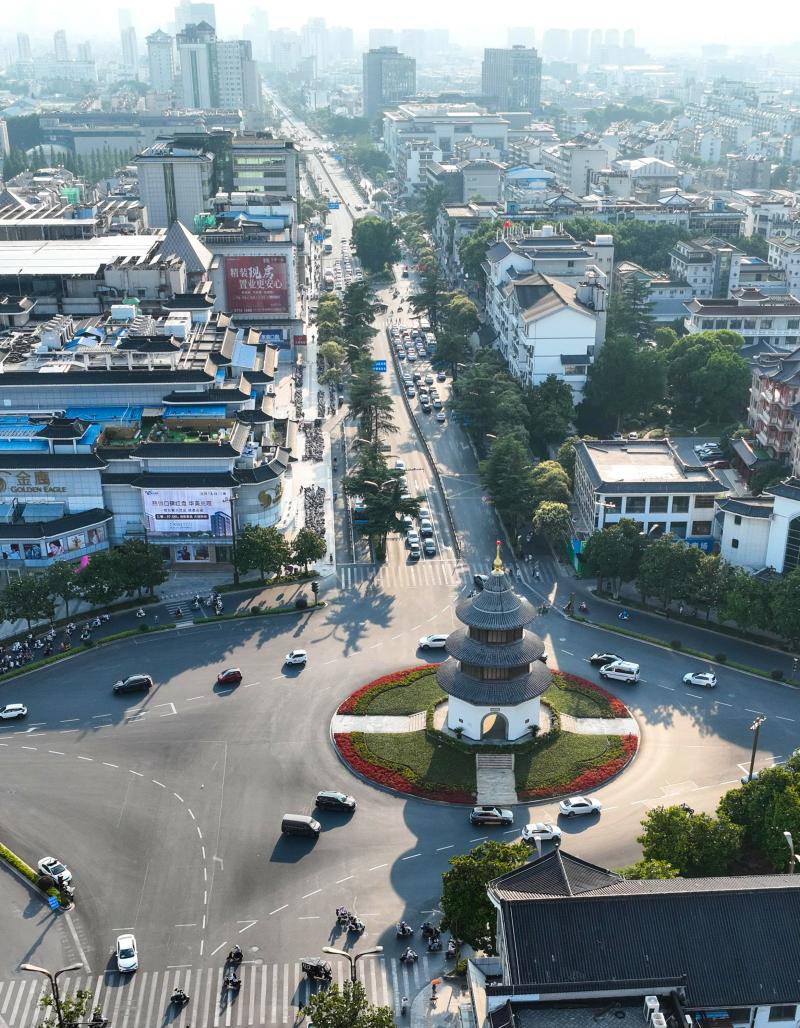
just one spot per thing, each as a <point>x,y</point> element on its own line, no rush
<point>483,692</point>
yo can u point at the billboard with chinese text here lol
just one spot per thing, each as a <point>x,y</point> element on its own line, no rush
<point>257,285</point>
<point>187,511</point>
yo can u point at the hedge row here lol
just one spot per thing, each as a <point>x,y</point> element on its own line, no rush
<point>27,871</point>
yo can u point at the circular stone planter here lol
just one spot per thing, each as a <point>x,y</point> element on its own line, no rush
<point>352,746</point>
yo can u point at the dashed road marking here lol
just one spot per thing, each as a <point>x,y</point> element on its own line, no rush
<point>137,773</point>
<point>106,764</point>
<point>161,784</point>
<point>85,758</point>
<point>177,797</point>
<point>450,847</point>
<point>56,753</point>
<point>347,879</point>
<point>308,894</point>
<point>411,856</point>
<point>277,910</point>
<point>378,867</point>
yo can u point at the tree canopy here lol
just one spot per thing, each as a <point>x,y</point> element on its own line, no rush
<point>375,240</point>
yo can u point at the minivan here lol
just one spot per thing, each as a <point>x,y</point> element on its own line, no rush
<point>300,824</point>
<point>621,670</point>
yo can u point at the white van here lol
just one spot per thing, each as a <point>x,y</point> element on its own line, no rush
<point>621,670</point>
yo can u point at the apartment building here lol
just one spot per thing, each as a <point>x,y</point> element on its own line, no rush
<point>511,78</point>
<point>388,78</point>
<point>768,320</point>
<point>443,125</point>
<point>573,163</point>
<point>707,265</point>
<point>161,62</point>
<point>775,402</point>
<point>666,298</point>
<point>175,183</point>
<point>784,256</point>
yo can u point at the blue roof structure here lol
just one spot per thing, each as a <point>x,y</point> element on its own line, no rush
<point>201,411</point>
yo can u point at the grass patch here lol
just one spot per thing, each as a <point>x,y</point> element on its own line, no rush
<point>570,698</point>
<point>429,765</point>
<point>562,759</point>
<point>406,699</point>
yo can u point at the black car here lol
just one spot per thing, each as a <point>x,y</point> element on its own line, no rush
<point>327,800</point>
<point>491,816</point>
<point>134,683</point>
<point>601,659</point>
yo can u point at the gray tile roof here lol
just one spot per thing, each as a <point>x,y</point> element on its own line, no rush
<point>498,606</point>
<point>555,874</point>
<point>789,489</point>
<point>58,526</point>
<point>493,693</point>
<point>746,508</point>
<point>512,654</point>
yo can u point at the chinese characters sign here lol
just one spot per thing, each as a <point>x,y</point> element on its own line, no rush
<point>257,285</point>
<point>187,511</point>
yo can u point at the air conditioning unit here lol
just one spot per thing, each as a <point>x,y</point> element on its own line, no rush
<point>650,1007</point>
<point>658,1020</point>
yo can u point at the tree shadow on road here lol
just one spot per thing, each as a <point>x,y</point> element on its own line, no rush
<point>350,622</point>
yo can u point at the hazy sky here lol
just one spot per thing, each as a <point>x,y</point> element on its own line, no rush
<point>680,23</point>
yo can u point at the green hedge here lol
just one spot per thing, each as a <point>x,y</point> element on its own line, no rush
<point>25,869</point>
<point>364,704</point>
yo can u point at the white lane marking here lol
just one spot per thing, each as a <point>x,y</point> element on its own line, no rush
<point>722,703</point>
<point>191,698</point>
<point>137,773</point>
<point>450,847</point>
<point>571,654</point>
<point>191,814</point>
<point>34,748</point>
<point>68,720</point>
<point>309,917</point>
<point>780,717</point>
<point>339,882</point>
<point>199,832</point>
<point>277,910</point>
<point>378,867</point>
<point>66,731</point>
<point>480,838</point>
<point>85,758</point>
<point>192,925</point>
<point>106,764</point>
<point>250,925</point>
<point>749,711</point>
<point>158,783</point>
<point>56,753</point>
<point>411,856</point>
<point>94,716</point>
<point>177,797</point>
<point>314,893</point>
<point>670,688</point>
<point>511,831</point>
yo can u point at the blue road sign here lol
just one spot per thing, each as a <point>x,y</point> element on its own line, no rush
<point>379,365</point>
<point>318,237</point>
<point>54,904</point>
<point>333,205</point>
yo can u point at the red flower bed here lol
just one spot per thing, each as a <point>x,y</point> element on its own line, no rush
<point>395,678</point>
<point>591,778</point>
<point>392,779</point>
<point>618,708</point>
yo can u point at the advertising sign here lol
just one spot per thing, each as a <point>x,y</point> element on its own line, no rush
<point>187,511</point>
<point>301,340</point>
<point>257,285</point>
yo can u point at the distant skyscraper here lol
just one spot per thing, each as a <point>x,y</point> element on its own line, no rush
<point>60,45</point>
<point>512,79</point>
<point>579,50</point>
<point>84,51</point>
<point>196,53</point>
<point>629,39</point>
<point>520,35</point>
<point>555,43</point>
<point>125,16</point>
<point>257,31</point>
<point>161,62</point>
<point>340,40</point>
<point>130,50</point>
<point>189,13</point>
<point>284,50</point>
<point>314,36</point>
<point>611,37</point>
<point>24,47</point>
<point>238,85</point>
<point>388,78</point>
<point>595,44</point>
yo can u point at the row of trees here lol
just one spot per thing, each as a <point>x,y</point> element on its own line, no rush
<point>133,568</point>
<point>672,572</point>
<point>267,551</point>
<point>94,167</point>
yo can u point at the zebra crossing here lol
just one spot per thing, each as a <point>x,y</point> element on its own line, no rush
<point>405,576</point>
<point>270,994</point>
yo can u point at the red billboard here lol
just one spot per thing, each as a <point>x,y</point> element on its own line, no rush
<point>257,285</point>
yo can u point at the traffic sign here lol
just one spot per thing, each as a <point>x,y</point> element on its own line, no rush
<point>333,205</point>
<point>379,365</point>
<point>318,237</point>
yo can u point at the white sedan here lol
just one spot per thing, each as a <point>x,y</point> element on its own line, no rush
<point>579,805</point>
<point>127,953</point>
<point>541,832</point>
<point>706,679</point>
<point>54,869</point>
<point>297,657</point>
<point>432,642</point>
<point>12,710</point>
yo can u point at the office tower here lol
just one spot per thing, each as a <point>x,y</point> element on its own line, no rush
<point>629,39</point>
<point>24,47</point>
<point>197,58</point>
<point>5,145</point>
<point>284,50</point>
<point>579,51</point>
<point>60,45</point>
<point>388,77</point>
<point>130,50</point>
<point>125,18</point>
<point>257,31</point>
<point>84,51</point>
<point>520,35</point>
<point>161,62</point>
<point>314,37</point>
<point>511,79</point>
<point>189,13</point>
<point>174,183</point>
<point>555,43</point>
<point>595,44</point>
<point>382,37</point>
<point>237,79</point>
<point>612,37</point>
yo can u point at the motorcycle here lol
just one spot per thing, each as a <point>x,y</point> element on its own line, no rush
<point>403,1006</point>
<point>232,982</point>
<point>235,956</point>
<point>342,915</point>
<point>105,618</point>
<point>408,956</point>
<point>140,613</point>
<point>96,622</point>
<point>434,944</point>
<point>356,925</point>
<point>428,928</point>
<point>583,607</point>
<point>86,635</point>
<point>404,930</point>
<point>179,998</point>
<point>195,604</point>
<point>624,615</point>
<point>451,949</point>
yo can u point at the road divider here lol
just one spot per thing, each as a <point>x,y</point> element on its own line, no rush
<point>38,881</point>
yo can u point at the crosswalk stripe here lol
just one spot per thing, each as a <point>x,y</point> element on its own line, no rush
<point>162,1003</point>
<point>206,1016</point>
<point>33,992</point>
<point>285,1010</point>
<point>13,1014</point>
<point>274,1006</point>
<point>152,999</point>
<point>262,1006</point>
<point>8,995</point>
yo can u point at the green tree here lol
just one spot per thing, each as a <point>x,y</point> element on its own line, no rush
<point>746,601</point>
<point>708,584</point>
<point>553,522</point>
<point>550,482</point>
<point>62,580</point>
<point>335,358</point>
<point>696,845</point>
<point>467,912</point>
<point>625,381</point>
<point>380,491</point>
<point>100,582</point>
<point>506,473</point>
<point>665,568</point>
<point>141,566</point>
<point>432,298</point>
<point>375,241</point>
<point>706,373</point>
<point>459,320</point>
<point>28,598</point>
<point>370,404</point>
<point>358,312</point>
<point>262,549</point>
<point>74,1009</point>
<point>347,1007</point>
<point>308,545</point>
<point>630,311</point>
<point>566,454</point>
<point>613,555</point>
<point>784,606</point>
<point>648,869</point>
<point>432,200</point>
<point>550,413</point>
<point>752,806</point>
<point>472,249</point>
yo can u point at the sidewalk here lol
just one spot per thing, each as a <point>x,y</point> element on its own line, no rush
<point>450,996</point>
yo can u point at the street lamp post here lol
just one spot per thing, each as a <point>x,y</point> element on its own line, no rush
<point>792,855</point>
<point>351,958</point>
<point>755,728</point>
<point>53,979</point>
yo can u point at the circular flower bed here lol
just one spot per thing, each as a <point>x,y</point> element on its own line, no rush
<point>591,778</point>
<point>358,701</point>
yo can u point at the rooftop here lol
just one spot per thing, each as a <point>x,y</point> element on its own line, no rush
<point>651,464</point>
<point>72,256</point>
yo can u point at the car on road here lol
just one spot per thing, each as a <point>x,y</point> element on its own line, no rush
<point>296,658</point>
<point>54,869</point>
<point>706,679</point>
<point>230,676</point>
<point>541,831</point>
<point>411,356</point>
<point>426,407</point>
<point>441,417</point>
<point>441,377</point>
<point>429,380</point>
<point>412,538</point>
<point>424,512</point>
<point>411,392</point>
<point>578,805</point>
<point>329,800</point>
<point>429,548</point>
<point>133,683</point>
<point>437,403</point>
<point>491,816</point>
<point>127,953</point>
<point>600,659</point>
<point>401,354</point>
<point>414,552</point>
<point>432,642</point>
<point>399,465</point>
<point>425,527</point>
<point>11,711</point>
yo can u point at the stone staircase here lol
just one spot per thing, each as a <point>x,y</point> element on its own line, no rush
<point>495,779</point>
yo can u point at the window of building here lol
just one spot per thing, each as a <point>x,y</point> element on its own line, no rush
<point>750,323</point>
<point>734,544</point>
<point>735,323</point>
<point>574,369</point>
<point>703,502</point>
<point>655,529</point>
<point>737,519</point>
<point>782,1013</point>
<point>793,323</point>
<point>701,528</point>
<point>678,529</point>
<point>680,504</point>
<point>613,504</point>
<point>659,504</point>
<point>635,505</point>
<point>766,322</point>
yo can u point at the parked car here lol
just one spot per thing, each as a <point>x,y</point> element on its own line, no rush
<point>432,642</point>
<point>541,831</point>
<point>491,816</point>
<point>706,679</point>
<point>55,869</point>
<point>579,805</point>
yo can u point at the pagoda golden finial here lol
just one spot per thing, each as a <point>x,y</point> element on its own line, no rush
<point>498,563</point>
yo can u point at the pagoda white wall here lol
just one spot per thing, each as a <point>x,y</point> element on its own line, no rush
<point>469,717</point>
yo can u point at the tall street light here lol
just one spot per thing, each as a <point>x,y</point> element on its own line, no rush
<point>53,979</point>
<point>352,959</point>
<point>755,728</point>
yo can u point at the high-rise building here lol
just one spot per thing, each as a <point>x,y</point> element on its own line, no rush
<point>611,37</point>
<point>174,183</point>
<point>60,45</point>
<point>24,47</point>
<point>629,39</point>
<point>284,50</point>
<point>388,77</point>
<point>161,62</point>
<point>511,79</point>
<point>84,52</point>
<point>555,43</point>
<point>130,50</point>
<point>314,36</point>
<point>341,45</point>
<point>256,30</point>
<point>579,50</point>
<point>519,35</point>
<point>595,44</point>
<point>189,13</point>
<point>196,54</point>
<point>237,79</point>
